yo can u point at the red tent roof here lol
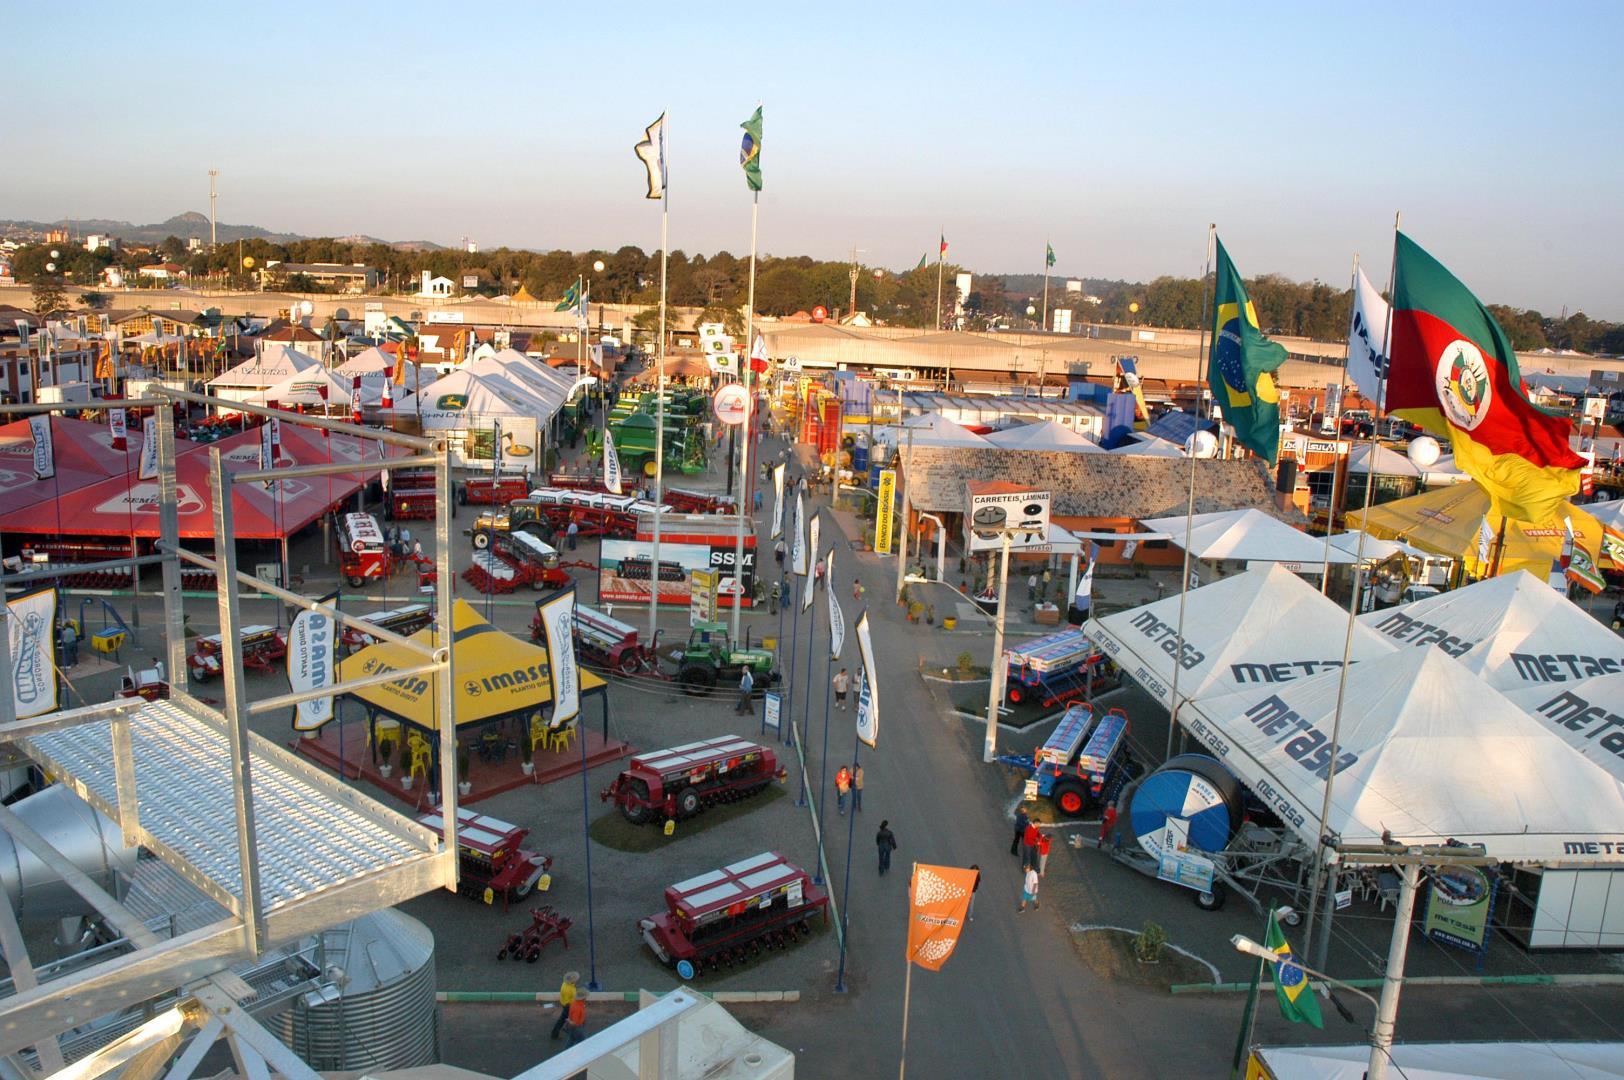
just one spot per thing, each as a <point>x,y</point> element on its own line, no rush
<point>121,505</point>
<point>84,455</point>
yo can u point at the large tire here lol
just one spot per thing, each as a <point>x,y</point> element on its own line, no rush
<point>688,803</point>
<point>638,790</point>
<point>482,540</point>
<point>357,581</point>
<point>1070,798</point>
<point>1214,900</point>
<point>696,679</point>
<point>462,494</point>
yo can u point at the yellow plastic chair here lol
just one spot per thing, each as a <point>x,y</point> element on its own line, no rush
<point>538,734</point>
<point>562,738</point>
<point>421,756</point>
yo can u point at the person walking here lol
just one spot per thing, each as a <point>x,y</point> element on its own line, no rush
<point>1032,588</point>
<point>856,787</point>
<point>566,996</point>
<point>1029,889</point>
<point>778,554</point>
<point>841,684</point>
<point>857,590</point>
<point>575,1026</point>
<point>1048,577</point>
<point>1044,842</point>
<point>1029,844</point>
<point>842,786</point>
<point>975,887</point>
<point>886,841</point>
<point>70,644</point>
<point>1021,820</point>
<point>747,685</point>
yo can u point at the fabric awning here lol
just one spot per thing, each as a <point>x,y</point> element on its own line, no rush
<point>1249,535</point>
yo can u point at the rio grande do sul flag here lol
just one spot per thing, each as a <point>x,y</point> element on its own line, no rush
<point>1451,371</point>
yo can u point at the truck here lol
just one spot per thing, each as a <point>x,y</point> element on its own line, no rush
<point>710,659</point>
<point>729,916</point>
<point>680,781</point>
<point>1084,763</point>
<point>490,860</point>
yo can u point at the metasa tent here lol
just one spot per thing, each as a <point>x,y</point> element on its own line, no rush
<point>1260,628</point>
<point>1588,715</point>
<point>1445,1061</point>
<point>1046,435</point>
<point>317,386</point>
<point>1429,752</point>
<point>1250,536</point>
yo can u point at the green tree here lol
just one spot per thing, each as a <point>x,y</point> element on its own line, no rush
<point>95,301</point>
<point>729,316</point>
<point>48,296</point>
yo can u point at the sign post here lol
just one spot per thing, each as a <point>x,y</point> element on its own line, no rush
<point>884,511</point>
<point>1001,512</point>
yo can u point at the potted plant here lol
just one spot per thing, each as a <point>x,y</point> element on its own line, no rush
<point>463,784</point>
<point>1149,943</point>
<point>386,756</point>
<point>915,610</point>
<point>949,622</point>
<point>930,615</point>
<point>965,662</point>
<point>526,752</point>
<point>903,597</point>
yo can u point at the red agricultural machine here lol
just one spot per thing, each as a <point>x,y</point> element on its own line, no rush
<point>262,646</point>
<point>515,559</point>
<point>490,861</point>
<point>732,915</point>
<point>411,495</point>
<point>404,621</point>
<point>58,554</point>
<point>605,642</point>
<point>681,500</point>
<point>681,781</point>
<point>493,490</point>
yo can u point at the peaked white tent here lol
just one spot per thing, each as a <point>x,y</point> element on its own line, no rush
<point>1375,548</point>
<point>1428,752</point>
<point>492,368</point>
<point>305,388</point>
<point>275,363</point>
<point>1046,435</point>
<point>1588,715</point>
<point>1261,628</point>
<point>1450,1061</point>
<point>1513,630</point>
<point>1150,446</point>
<point>533,368</point>
<point>934,429</point>
<point>463,400</point>
<point>1249,535</point>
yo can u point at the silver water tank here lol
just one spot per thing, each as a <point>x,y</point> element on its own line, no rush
<point>84,835</point>
<point>379,1011</point>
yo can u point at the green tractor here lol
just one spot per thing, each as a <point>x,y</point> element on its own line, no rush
<point>709,659</point>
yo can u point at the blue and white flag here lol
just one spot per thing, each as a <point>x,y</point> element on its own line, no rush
<point>811,558</point>
<point>611,464</point>
<point>837,618</point>
<point>558,621</point>
<point>868,691</point>
<point>798,559</point>
<point>39,426</point>
<point>778,502</point>
<point>651,152</point>
<point>1367,341</point>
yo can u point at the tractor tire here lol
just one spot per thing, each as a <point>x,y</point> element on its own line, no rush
<point>356,581</point>
<point>630,664</point>
<point>462,494</point>
<point>1015,695</point>
<point>482,540</point>
<point>1070,798</point>
<point>636,814</point>
<point>688,803</point>
<point>696,679</point>
<point>1214,900</point>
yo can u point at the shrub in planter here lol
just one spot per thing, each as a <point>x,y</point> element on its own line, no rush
<point>965,662</point>
<point>915,610</point>
<point>386,756</point>
<point>1149,943</point>
<point>463,784</point>
<point>526,754</point>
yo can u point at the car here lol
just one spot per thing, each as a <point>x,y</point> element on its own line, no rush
<point>1412,593</point>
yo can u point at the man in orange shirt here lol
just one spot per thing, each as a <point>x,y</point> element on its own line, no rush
<point>842,786</point>
<point>575,1027</point>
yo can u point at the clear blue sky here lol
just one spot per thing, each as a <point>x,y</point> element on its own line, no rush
<point>1115,130</point>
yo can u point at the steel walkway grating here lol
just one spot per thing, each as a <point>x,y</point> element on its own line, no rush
<point>307,840</point>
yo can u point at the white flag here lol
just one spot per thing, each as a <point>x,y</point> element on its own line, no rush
<point>778,502</point>
<point>837,618</point>
<point>149,450</point>
<point>868,692</point>
<point>31,627</point>
<point>1367,341</point>
<point>496,448</point>
<point>267,452</point>
<point>39,426</point>
<point>1085,590</point>
<point>797,563</point>
<point>651,151</point>
<point>611,463</point>
<point>310,666</point>
<point>1485,541</point>
<point>558,619</point>
<point>119,425</point>
<point>812,546</point>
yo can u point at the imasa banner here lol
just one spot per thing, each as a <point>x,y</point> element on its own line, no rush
<point>267,452</point>
<point>797,561</point>
<point>778,502</point>
<point>837,618</point>
<point>39,427</point>
<point>149,450</point>
<point>311,666</point>
<point>611,464</point>
<point>558,619</point>
<point>32,635</point>
<point>812,558</point>
<point>868,695</point>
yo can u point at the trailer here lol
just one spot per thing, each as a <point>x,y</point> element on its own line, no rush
<point>729,916</point>
<point>412,495</point>
<point>680,781</point>
<point>262,647</point>
<point>493,490</point>
<point>606,642</point>
<point>1084,763</point>
<point>513,560</point>
<point>362,554</point>
<point>52,553</point>
<point>1055,668</point>
<point>404,621</point>
<point>490,861</point>
<point>680,500</point>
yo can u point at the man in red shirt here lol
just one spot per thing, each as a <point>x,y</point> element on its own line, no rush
<point>1029,845</point>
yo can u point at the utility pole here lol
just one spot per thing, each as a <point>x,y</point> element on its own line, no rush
<point>851,309</point>
<point>213,195</point>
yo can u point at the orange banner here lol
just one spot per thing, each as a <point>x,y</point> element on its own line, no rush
<point>938,898</point>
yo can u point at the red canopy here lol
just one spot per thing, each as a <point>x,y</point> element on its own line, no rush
<point>84,455</point>
<point>122,505</point>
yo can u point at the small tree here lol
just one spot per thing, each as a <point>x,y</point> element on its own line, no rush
<point>48,296</point>
<point>95,301</point>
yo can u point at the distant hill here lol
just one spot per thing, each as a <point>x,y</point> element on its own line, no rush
<point>187,226</point>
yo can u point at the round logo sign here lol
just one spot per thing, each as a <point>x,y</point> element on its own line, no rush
<point>732,404</point>
<point>820,313</point>
<point>1462,380</point>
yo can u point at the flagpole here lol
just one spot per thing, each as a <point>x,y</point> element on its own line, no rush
<point>1347,638</point>
<point>1336,469</point>
<point>811,647</point>
<point>659,397</point>
<point>823,768</point>
<point>744,449</point>
<point>845,891</point>
<point>939,254</point>
<point>907,990</point>
<point>789,672</point>
<point>1189,508</point>
<point>1045,325</point>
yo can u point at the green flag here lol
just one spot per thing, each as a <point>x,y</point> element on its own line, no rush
<point>921,265</point>
<point>1297,1001</point>
<point>1240,364</point>
<point>1048,258</point>
<point>750,150</point>
<point>572,297</point>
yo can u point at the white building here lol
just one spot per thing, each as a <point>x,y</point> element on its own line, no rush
<point>436,288</point>
<point>101,242</point>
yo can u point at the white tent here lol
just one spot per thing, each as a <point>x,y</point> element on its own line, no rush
<point>1046,435</point>
<point>535,369</point>
<point>1513,630</point>
<point>1429,752</point>
<point>1588,715</point>
<point>1609,512</point>
<point>934,429</point>
<point>305,388</point>
<point>1451,1061</point>
<point>1150,446</point>
<point>462,400</point>
<point>543,389</point>
<point>1249,535</point>
<point>1375,549</point>
<point>271,366</point>
<point>1260,628</point>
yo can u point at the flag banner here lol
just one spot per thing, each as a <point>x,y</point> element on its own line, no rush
<point>311,666</point>
<point>32,634</point>
<point>148,469</point>
<point>355,399</point>
<point>651,152</point>
<point>118,424</point>
<point>572,297</point>
<point>1048,256</point>
<point>383,474</point>
<point>943,250</point>
<point>1558,577</point>
<point>1085,590</point>
<point>812,558</point>
<point>798,564</point>
<point>837,617</point>
<point>884,511</point>
<point>496,448</point>
<point>39,427</point>
<point>1367,341</point>
<point>922,260</point>
<point>758,355</point>
<point>778,502</point>
<point>1297,1001</point>
<point>558,619</point>
<point>868,694</point>
<point>1612,545</point>
<point>750,150</point>
<point>276,438</point>
<point>1485,541</point>
<point>104,362</point>
<point>267,452</point>
<point>1452,371</point>
<point>612,476</point>
<point>938,903</point>
<point>1582,570</point>
<point>1241,365</point>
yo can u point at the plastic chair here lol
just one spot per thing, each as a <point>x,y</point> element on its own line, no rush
<point>562,738</point>
<point>420,755</point>
<point>538,734</point>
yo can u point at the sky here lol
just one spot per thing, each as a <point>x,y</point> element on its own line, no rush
<point>1115,132</point>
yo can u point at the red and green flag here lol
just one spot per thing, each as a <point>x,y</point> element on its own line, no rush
<point>1240,369</point>
<point>943,251</point>
<point>1452,372</point>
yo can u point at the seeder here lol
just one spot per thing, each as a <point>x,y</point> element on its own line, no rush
<point>732,915</point>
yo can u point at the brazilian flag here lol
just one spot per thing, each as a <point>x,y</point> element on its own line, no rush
<point>750,150</point>
<point>1241,365</point>
<point>1297,1001</point>
<point>572,297</point>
